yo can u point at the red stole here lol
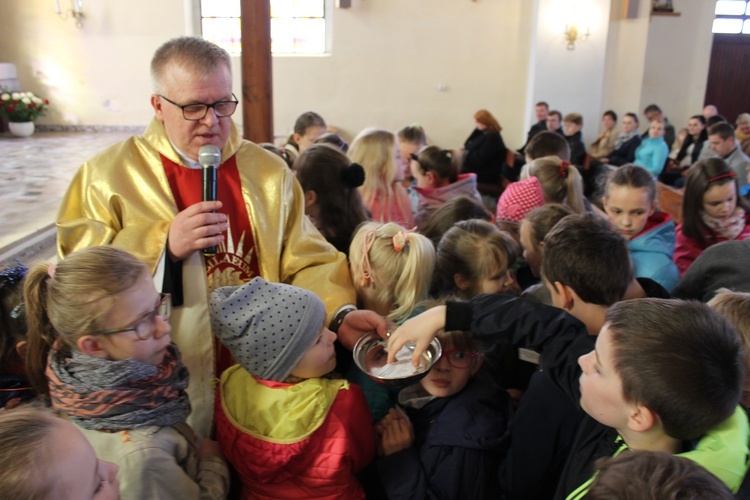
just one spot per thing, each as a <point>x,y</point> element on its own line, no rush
<point>236,260</point>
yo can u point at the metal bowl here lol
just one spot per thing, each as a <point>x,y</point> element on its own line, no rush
<point>370,356</point>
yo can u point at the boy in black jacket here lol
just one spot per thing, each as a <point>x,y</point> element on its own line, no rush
<point>663,375</point>
<point>587,267</point>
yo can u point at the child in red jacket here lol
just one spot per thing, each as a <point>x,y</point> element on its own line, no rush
<point>289,431</point>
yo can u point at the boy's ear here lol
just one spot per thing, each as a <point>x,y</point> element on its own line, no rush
<point>89,344</point>
<point>642,419</point>
<point>568,295</point>
<point>310,198</point>
<point>604,202</point>
<point>296,137</point>
<point>461,282</point>
<point>653,209</point>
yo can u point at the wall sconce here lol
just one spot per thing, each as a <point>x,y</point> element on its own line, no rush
<point>572,33</point>
<point>75,11</point>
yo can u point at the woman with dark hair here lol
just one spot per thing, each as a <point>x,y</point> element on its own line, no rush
<point>332,201</point>
<point>712,209</point>
<point>484,155</point>
<point>308,127</point>
<point>689,153</point>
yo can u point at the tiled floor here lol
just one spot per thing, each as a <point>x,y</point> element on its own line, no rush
<point>34,173</point>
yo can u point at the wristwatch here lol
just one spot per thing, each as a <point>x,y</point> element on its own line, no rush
<point>338,318</point>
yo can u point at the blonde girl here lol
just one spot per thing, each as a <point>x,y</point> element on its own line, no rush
<point>630,204</point>
<point>475,257</point>
<point>561,181</point>
<point>46,458</point>
<point>712,209</point>
<point>377,152</point>
<point>391,270</point>
<point>100,349</point>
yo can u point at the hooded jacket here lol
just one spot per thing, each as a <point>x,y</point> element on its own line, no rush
<point>456,451</point>
<point>304,440</point>
<point>652,251</point>
<point>432,198</point>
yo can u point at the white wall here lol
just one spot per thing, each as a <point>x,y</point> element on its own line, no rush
<point>388,58</point>
<point>626,56</point>
<point>97,75</point>
<point>676,66</point>
<point>571,80</point>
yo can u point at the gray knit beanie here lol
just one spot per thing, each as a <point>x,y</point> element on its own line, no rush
<point>267,327</point>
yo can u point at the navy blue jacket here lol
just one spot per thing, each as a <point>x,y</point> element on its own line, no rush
<point>626,153</point>
<point>457,447</point>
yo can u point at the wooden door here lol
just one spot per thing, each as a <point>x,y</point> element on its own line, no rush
<point>729,75</point>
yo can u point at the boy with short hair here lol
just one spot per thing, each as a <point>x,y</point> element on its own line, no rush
<point>586,268</point>
<point>287,429</point>
<point>735,307</point>
<point>572,126</point>
<point>547,144</point>
<point>663,374</point>
<point>654,474</point>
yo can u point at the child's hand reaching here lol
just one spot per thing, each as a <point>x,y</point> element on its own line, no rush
<point>396,432</point>
<point>420,330</point>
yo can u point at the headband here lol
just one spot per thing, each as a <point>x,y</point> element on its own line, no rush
<point>726,175</point>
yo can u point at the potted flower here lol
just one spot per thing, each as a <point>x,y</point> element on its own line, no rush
<point>21,109</point>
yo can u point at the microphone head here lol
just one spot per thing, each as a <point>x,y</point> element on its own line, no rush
<point>209,156</point>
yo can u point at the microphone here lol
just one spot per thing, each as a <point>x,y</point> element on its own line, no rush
<point>210,159</point>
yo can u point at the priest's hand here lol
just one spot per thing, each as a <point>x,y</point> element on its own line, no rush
<point>357,324</point>
<point>196,228</point>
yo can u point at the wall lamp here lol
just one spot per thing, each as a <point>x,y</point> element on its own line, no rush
<point>573,34</point>
<point>75,11</point>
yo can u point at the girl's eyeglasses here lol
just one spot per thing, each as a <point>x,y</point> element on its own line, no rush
<point>144,327</point>
<point>460,359</point>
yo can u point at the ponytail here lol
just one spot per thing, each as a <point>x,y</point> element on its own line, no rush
<point>41,334</point>
<point>561,181</point>
<point>574,182</point>
<point>413,283</point>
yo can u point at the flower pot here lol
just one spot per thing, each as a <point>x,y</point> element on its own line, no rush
<point>21,129</point>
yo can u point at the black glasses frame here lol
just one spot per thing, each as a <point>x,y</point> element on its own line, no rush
<point>205,107</point>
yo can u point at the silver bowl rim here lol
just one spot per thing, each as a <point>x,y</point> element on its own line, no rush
<point>358,346</point>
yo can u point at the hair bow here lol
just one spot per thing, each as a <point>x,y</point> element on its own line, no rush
<point>563,168</point>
